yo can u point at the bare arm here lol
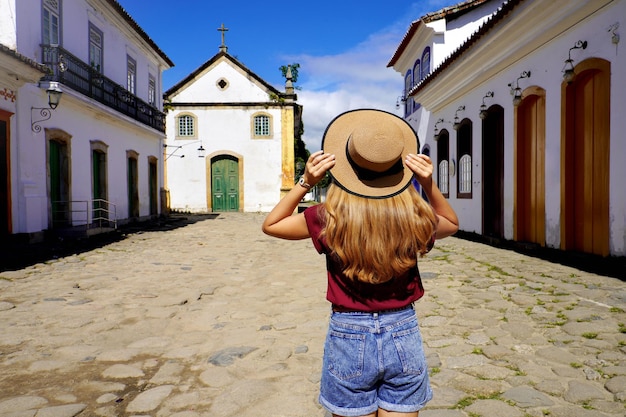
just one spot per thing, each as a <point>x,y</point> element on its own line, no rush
<point>422,167</point>
<point>281,222</point>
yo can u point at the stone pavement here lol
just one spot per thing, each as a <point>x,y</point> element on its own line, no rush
<point>217,319</point>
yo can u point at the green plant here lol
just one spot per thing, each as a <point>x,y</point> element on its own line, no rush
<point>464,402</point>
<point>294,72</point>
<point>590,335</point>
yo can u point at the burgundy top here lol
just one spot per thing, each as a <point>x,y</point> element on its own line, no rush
<point>351,295</point>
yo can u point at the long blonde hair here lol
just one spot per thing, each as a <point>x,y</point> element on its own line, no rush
<point>378,239</point>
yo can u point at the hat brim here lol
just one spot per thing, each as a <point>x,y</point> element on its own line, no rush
<point>334,142</point>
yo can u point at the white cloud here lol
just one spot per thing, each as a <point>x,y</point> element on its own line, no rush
<point>357,78</point>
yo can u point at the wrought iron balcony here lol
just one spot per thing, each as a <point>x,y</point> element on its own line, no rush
<point>71,71</point>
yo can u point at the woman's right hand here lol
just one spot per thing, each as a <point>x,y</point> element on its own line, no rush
<point>422,167</point>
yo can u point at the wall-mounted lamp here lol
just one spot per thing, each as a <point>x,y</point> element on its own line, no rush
<point>201,150</point>
<point>614,35</point>
<point>457,122</point>
<point>400,99</point>
<point>54,98</point>
<point>516,91</point>
<point>483,107</point>
<point>436,129</point>
<point>568,69</point>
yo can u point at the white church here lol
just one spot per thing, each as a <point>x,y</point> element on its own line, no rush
<point>230,139</point>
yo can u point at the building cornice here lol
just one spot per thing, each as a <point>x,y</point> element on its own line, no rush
<point>249,104</point>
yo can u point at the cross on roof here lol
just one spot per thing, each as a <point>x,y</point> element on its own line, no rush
<point>223,30</point>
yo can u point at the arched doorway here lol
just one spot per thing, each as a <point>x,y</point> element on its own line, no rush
<point>225,183</point>
<point>493,172</point>
<point>585,152</point>
<point>530,138</point>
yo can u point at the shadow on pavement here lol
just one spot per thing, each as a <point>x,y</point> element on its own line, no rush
<point>16,254</point>
<point>611,266</point>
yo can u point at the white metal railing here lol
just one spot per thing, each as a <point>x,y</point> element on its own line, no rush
<point>105,214</point>
<point>97,213</point>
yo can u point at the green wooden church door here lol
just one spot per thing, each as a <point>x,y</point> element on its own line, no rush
<point>225,184</point>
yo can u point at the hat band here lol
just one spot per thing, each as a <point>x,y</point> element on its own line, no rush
<point>365,174</point>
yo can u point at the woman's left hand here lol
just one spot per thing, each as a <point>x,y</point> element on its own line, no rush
<point>316,167</point>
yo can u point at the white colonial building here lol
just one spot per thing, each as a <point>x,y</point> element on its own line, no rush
<point>95,158</point>
<point>521,105</point>
<point>230,139</point>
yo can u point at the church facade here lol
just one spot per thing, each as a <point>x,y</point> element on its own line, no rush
<point>230,139</point>
<point>521,109</point>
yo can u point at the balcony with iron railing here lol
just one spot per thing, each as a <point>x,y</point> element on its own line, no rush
<point>74,73</point>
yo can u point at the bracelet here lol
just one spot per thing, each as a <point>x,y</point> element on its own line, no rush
<point>304,183</point>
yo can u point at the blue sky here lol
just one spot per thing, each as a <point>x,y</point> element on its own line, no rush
<point>342,46</point>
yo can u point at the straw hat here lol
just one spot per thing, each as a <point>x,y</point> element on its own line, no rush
<point>370,147</point>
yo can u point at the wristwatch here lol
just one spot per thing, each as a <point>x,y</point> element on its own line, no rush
<point>304,183</point>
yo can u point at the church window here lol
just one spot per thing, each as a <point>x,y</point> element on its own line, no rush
<point>262,126</point>
<point>186,127</point>
<point>222,84</point>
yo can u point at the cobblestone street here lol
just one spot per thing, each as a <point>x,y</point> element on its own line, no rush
<point>213,318</point>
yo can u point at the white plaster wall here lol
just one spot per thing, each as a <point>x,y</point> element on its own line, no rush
<point>450,35</point>
<point>241,88</point>
<point>8,23</point>
<point>29,160</point>
<point>226,131</point>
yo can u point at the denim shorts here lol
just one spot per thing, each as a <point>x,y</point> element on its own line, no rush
<point>372,361</point>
